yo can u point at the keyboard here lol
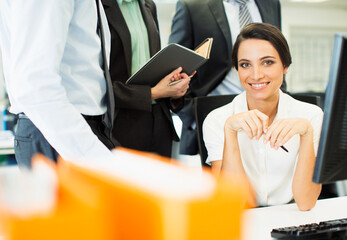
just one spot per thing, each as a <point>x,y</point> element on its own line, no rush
<point>332,229</point>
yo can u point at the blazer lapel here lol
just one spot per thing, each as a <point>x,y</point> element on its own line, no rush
<point>152,28</point>
<point>154,45</point>
<point>218,11</point>
<point>116,21</point>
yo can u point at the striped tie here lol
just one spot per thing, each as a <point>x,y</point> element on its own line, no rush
<point>244,15</point>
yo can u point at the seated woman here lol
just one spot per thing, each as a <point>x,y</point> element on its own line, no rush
<point>248,136</point>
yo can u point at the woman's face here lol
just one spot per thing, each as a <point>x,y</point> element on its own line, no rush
<point>260,69</point>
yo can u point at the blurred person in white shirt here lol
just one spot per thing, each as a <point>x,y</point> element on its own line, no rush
<point>52,60</point>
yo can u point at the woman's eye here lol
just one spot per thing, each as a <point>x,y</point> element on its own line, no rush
<point>244,65</point>
<point>268,62</point>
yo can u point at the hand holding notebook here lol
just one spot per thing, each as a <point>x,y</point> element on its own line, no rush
<point>170,58</point>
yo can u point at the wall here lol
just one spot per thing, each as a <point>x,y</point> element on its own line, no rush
<point>310,29</point>
<point>296,15</point>
<point>165,13</point>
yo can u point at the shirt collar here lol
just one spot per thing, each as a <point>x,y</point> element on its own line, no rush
<point>282,108</point>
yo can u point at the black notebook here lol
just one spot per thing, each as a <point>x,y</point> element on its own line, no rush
<point>170,58</point>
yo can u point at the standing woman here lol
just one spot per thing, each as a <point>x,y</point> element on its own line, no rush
<point>246,137</point>
<point>143,120</point>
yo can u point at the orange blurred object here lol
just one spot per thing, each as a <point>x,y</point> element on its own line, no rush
<point>96,204</point>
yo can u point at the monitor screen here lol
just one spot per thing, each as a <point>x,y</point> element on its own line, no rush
<point>331,162</point>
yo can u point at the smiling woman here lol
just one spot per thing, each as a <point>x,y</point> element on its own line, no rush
<point>260,70</point>
<point>243,137</point>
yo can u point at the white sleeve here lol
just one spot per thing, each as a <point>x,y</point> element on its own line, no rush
<point>213,134</point>
<point>38,34</point>
<point>316,123</point>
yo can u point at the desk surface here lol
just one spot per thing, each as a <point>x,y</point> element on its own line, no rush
<point>258,222</point>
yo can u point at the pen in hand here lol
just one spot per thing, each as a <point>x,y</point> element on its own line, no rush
<point>284,148</point>
<point>177,81</point>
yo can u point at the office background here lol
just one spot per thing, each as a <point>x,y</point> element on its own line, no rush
<point>309,26</point>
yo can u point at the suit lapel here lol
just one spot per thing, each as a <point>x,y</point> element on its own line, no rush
<point>117,22</point>
<point>152,28</point>
<point>266,13</point>
<point>262,11</point>
<point>218,11</point>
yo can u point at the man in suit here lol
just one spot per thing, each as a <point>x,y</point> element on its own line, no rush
<point>143,121</point>
<point>196,20</point>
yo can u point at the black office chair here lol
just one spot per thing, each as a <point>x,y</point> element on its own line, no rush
<point>313,99</point>
<point>204,105</point>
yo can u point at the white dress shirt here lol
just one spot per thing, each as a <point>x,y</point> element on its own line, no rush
<point>270,171</point>
<point>52,65</point>
<point>231,83</point>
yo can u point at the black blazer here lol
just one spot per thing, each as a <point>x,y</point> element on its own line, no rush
<point>133,102</point>
<point>194,21</point>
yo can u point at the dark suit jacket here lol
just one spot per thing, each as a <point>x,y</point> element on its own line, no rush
<point>133,126</point>
<point>194,21</point>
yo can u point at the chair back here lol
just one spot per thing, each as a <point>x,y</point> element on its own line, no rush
<point>313,99</point>
<point>203,106</point>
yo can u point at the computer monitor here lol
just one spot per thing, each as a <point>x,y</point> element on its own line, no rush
<point>331,162</point>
